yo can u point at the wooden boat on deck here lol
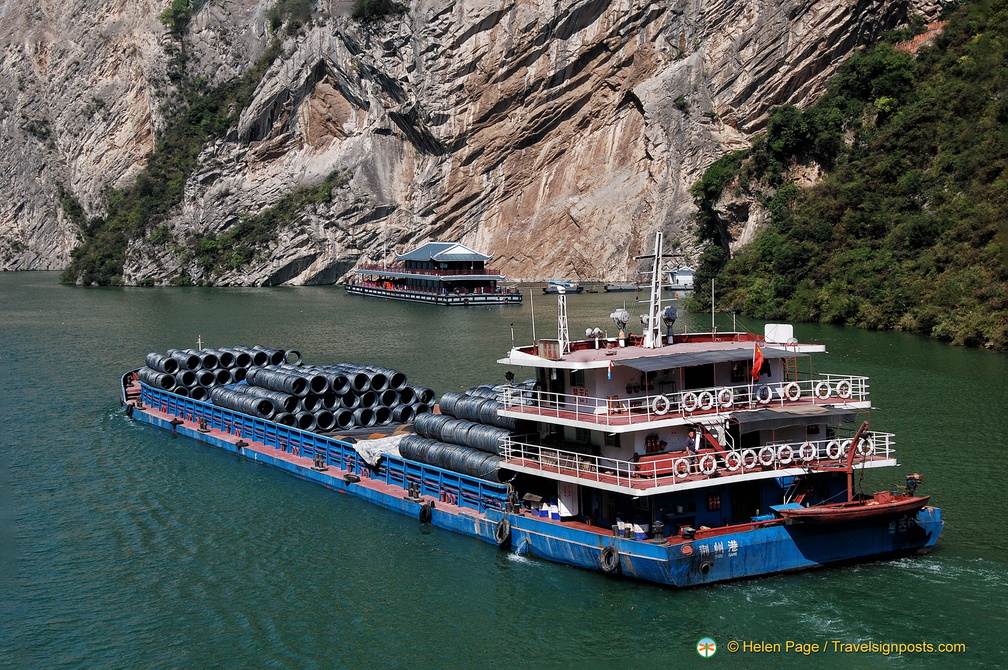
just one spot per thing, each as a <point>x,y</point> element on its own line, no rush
<point>880,505</point>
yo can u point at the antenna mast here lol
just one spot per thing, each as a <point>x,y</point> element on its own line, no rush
<point>652,334</point>
<point>563,332</point>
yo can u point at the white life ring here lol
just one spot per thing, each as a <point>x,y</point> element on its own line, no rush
<point>766,456</point>
<point>785,455</point>
<point>866,446</point>
<point>807,452</point>
<point>823,390</point>
<point>660,405</point>
<point>706,400</point>
<point>764,394</point>
<point>792,391</point>
<point>681,468</point>
<point>689,401</point>
<point>733,461</point>
<point>845,447</point>
<point>749,459</point>
<point>708,464</point>
<point>844,389</point>
<point>833,450</point>
<point>726,397</point>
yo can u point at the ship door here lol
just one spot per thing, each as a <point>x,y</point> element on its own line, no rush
<point>745,501</point>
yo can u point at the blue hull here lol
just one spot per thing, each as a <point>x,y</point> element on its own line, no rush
<point>478,508</point>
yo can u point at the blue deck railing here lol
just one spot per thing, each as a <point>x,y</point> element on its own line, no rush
<point>461,490</point>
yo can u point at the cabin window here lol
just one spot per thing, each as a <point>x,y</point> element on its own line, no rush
<point>740,372</point>
<point>577,378</point>
<point>698,376</point>
<point>612,440</point>
<point>582,435</point>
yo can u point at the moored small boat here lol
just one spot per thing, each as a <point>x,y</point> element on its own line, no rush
<point>880,505</point>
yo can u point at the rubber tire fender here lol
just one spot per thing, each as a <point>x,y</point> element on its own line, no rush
<point>425,513</point>
<point>610,559</point>
<point>502,533</point>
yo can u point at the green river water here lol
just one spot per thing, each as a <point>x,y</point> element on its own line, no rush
<point>122,546</point>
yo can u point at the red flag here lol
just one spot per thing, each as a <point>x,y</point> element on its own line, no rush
<point>757,361</point>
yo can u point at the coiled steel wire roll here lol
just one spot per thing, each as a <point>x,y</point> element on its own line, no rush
<point>275,356</point>
<point>287,402</point>
<point>403,414</point>
<point>452,457</point>
<point>304,420</point>
<point>161,363</point>
<point>424,395</point>
<point>185,378</point>
<point>241,402</point>
<point>159,380</point>
<point>185,360</point>
<point>276,380</point>
<point>225,359</point>
<point>241,358</point>
<point>363,417</point>
<point>257,357</point>
<point>207,360</point>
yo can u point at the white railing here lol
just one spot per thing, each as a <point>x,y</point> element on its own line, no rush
<point>620,410</point>
<point>674,467</point>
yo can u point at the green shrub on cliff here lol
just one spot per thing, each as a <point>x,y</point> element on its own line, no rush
<point>907,230</point>
<point>206,112</point>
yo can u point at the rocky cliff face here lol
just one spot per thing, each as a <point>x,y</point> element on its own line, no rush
<point>555,135</point>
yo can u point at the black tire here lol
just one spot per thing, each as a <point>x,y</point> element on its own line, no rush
<point>425,513</point>
<point>610,560</point>
<point>502,533</point>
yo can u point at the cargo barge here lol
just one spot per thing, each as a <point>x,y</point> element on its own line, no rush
<point>680,459</point>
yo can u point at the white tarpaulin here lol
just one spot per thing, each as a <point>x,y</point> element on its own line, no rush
<point>372,450</point>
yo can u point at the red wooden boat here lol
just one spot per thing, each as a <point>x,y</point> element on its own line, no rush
<point>881,505</point>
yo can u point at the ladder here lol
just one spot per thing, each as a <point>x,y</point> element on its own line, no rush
<point>791,369</point>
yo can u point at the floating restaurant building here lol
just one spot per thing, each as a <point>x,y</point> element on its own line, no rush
<point>442,273</point>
